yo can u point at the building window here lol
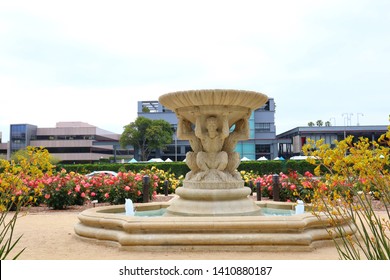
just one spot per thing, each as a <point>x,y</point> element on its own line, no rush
<point>149,106</point>
<point>262,127</point>
<point>166,110</point>
<point>263,149</point>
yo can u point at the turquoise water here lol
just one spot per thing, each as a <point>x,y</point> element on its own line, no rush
<point>150,213</point>
<point>276,212</point>
<point>265,212</point>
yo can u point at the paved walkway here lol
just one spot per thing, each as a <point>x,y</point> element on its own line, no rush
<point>50,236</point>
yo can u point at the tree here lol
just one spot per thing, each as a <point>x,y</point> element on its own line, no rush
<point>320,123</point>
<point>146,135</point>
<point>310,124</point>
<point>328,123</point>
<point>25,154</point>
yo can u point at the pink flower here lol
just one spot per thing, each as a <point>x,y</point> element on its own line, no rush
<point>77,188</point>
<point>47,196</point>
<point>93,194</point>
<point>308,174</point>
<point>82,194</point>
<point>307,185</point>
<point>293,187</point>
<point>127,188</point>
<point>106,195</point>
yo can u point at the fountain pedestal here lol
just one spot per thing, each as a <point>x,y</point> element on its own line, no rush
<point>213,121</point>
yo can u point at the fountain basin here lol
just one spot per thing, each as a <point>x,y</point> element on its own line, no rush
<point>302,232</point>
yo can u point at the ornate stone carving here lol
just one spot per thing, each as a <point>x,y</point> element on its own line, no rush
<point>204,119</point>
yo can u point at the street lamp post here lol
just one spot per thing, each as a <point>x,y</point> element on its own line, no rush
<point>175,146</point>
<point>361,114</point>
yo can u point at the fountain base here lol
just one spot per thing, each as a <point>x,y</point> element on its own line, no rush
<point>213,202</point>
<point>303,232</point>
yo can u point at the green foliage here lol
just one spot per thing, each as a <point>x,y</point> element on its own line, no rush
<point>181,168</point>
<point>300,166</point>
<point>262,167</point>
<point>146,135</point>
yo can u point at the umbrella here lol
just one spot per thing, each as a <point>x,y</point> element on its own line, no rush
<point>133,160</point>
<point>245,159</point>
<point>168,160</point>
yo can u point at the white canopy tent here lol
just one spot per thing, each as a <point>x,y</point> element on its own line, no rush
<point>262,158</point>
<point>299,157</point>
<point>245,159</point>
<point>155,160</point>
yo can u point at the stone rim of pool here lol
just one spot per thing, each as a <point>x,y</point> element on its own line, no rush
<point>300,232</point>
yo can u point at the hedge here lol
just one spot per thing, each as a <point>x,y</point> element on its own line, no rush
<point>180,168</point>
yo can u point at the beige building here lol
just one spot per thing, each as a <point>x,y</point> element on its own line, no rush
<point>70,142</point>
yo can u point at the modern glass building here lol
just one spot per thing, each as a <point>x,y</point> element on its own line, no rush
<point>21,136</point>
<point>292,141</point>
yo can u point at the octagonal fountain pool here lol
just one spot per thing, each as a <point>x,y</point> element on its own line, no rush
<point>278,228</point>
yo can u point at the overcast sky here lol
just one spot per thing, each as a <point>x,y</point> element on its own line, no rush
<point>92,61</point>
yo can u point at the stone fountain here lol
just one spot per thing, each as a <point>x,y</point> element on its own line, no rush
<point>212,211</point>
<point>213,187</point>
